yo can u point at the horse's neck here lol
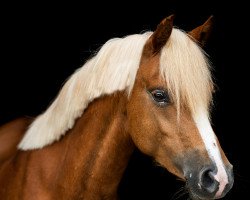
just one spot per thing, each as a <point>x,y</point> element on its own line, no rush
<point>87,163</point>
<point>96,150</point>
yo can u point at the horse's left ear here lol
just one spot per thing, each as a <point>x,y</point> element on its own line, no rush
<point>159,37</point>
<point>162,33</point>
<point>202,33</point>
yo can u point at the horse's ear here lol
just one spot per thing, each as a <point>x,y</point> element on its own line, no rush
<point>202,33</point>
<point>162,33</point>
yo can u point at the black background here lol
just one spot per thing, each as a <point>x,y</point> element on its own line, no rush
<point>43,43</point>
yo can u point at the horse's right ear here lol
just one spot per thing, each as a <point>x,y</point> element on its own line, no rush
<point>160,36</point>
<point>202,33</point>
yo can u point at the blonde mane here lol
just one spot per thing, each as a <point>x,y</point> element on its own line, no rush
<point>114,68</point>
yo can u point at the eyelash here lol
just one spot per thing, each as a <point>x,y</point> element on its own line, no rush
<point>160,96</point>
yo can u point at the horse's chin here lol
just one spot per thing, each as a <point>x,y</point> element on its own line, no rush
<point>194,196</point>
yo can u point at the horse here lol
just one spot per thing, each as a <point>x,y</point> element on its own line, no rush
<point>151,91</point>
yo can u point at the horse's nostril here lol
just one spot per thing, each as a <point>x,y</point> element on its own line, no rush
<point>208,182</point>
<point>207,178</point>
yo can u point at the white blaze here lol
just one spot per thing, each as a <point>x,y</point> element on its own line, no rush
<point>209,139</point>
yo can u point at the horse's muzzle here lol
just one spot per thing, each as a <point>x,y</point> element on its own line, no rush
<point>203,184</point>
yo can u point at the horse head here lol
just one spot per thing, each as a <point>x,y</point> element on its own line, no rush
<point>169,108</point>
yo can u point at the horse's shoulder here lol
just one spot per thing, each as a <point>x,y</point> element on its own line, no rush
<point>10,135</point>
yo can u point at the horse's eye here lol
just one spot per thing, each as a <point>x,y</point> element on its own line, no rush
<point>160,96</point>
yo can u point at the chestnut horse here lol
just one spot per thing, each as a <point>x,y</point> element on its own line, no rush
<point>152,91</point>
